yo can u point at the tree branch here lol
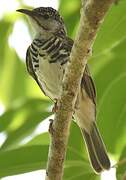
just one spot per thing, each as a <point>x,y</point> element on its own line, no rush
<point>92,14</point>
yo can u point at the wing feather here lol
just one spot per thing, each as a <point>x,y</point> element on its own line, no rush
<point>88,85</point>
<point>30,69</point>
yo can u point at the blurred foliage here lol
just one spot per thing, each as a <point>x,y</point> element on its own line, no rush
<point>121,166</point>
<point>26,107</point>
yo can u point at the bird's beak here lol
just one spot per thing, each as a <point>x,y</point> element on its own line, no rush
<point>27,12</point>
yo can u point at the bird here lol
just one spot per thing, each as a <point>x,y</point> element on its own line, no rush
<point>46,61</point>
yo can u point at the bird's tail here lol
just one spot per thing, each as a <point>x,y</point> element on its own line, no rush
<point>96,149</point>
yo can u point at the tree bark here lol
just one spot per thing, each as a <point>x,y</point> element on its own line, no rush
<point>92,15</point>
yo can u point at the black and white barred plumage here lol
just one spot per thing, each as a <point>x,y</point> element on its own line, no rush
<point>46,62</point>
<point>44,55</point>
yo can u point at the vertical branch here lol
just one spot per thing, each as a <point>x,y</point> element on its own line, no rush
<point>92,14</point>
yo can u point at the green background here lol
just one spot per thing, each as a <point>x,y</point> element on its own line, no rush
<point>26,107</point>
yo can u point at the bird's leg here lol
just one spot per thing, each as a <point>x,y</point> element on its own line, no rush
<point>55,107</point>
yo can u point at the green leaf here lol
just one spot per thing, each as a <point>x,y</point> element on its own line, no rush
<point>13,82</point>
<point>23,160</point>
<point>41,139</point>
<point>5,28</point>
<point>112,31</point>
<point>79,172</point>
<point>35,158</point>
<point>78,148</point>
<point>26,107</point>
<point>121,166</point>
<point>24,120</point>
<point>70,10</point>
<point>110,78</point>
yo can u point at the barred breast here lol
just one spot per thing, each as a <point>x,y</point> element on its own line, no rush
<point>49,58</point>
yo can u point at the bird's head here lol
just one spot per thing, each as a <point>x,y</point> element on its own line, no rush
<point>45,20</point>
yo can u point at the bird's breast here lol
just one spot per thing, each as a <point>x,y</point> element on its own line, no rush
<point>49,59</point>
<point>50,75</point>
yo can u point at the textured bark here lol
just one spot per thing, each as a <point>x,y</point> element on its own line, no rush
<point>92,15</point>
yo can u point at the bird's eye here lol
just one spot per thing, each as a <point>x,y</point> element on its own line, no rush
<point>46,16</point>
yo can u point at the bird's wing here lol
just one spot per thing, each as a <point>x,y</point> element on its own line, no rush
<point>30,69</point>
<point>29,64</point>
<point>87,83</point>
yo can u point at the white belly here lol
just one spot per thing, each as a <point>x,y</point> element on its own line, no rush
<point>50,76</point>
